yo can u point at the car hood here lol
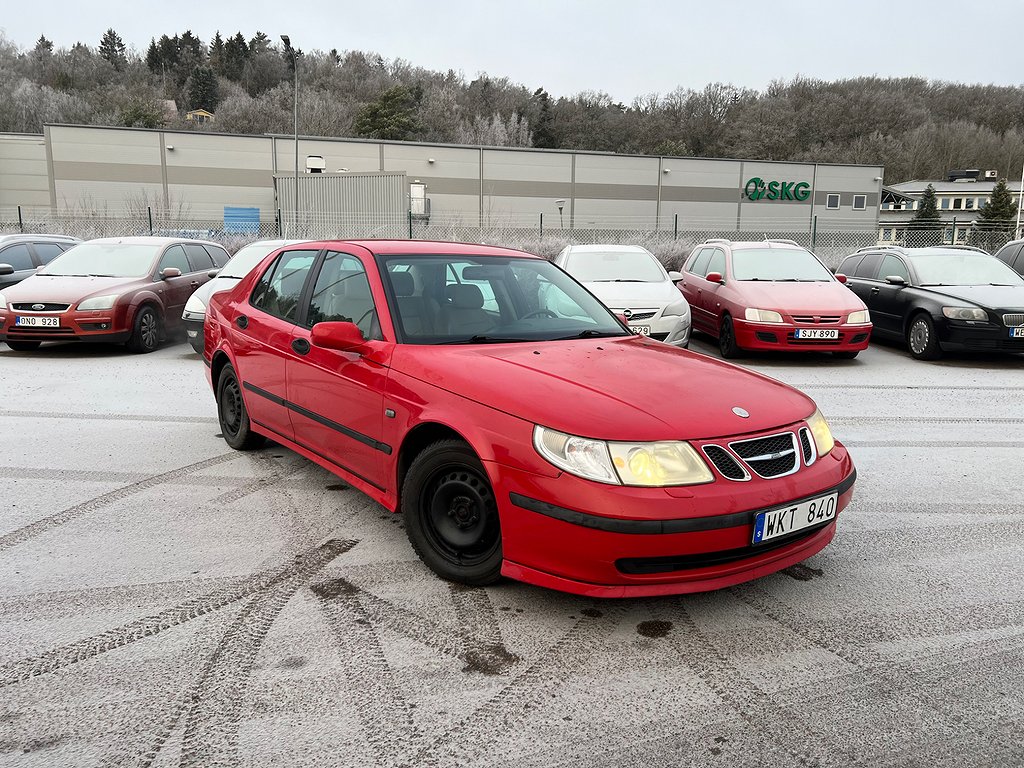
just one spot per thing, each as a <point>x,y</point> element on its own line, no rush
<point>612,389</point>
<point>994,296</point>
<point>218,284</point>
<point>799,298</point>
<point>627,295</point>
<point>67,290</point>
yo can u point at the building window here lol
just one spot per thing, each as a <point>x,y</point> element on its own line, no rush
<point>961,234</point>
<point>887,233</point>
<point>958,203</point>
<point>969,203</point>
<point>832,202</point>
<point>899,234</point>
<point>860,202</point>
<point>944,203</point>
<point>947,234</point>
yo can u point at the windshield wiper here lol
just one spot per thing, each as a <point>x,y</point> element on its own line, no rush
<point>621,280</point>
<point>590,333</point>
<point>91,275</point>
<point>484,339</point>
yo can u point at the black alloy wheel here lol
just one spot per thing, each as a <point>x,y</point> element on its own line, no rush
<point>451,514</point>
<point>232,415</point>
<point>727,338</point>
<point>145,331</point>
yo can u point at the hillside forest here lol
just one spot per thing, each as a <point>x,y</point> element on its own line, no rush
<point>916,128</point>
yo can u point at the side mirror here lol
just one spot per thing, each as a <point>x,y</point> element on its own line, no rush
<point>674,276</point>
<point>714,277</point>
<point>895,280</point>
<point>6,269</point>
<point>167,272</point>
<point>213,273</point>
<point>841,277</point>
<point>341,336</point>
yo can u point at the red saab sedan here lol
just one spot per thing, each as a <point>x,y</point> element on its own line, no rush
<point>519,427</point>
<point>772,295</point>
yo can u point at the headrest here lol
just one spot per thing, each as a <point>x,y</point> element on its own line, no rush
<point>403,283</point>
<point>464,296</point>
<point>356,286</point>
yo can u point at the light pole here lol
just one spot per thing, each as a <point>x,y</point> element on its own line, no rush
<point>1020,202</point>
<point>560,204</point>
<point>293,57</point>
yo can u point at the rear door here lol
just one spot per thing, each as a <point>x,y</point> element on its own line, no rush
<point>338,396</point>
<point>692,286</point>
<point>18,256</point>
<point>174,291</point>
<point>263,325</point>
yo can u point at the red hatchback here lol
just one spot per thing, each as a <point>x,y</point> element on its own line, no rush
<point>518,425</point>
<point>772,295</point>
<point>129,290</point>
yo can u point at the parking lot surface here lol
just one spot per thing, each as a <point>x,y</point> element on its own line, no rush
<point>165,601</point>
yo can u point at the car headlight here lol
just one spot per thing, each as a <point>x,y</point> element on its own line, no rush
<point>195,304</point>
<point>965,313</point>
<point>762,316</point>
<point>823,439</point>
<point>859,318</point>
<point>639,464</point>
<point>677,308</point>
<point>98,302</point>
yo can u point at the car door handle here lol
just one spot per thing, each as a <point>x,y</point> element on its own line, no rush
<point>875,290</point>
<point>242,321</point>
<point>194,283</point>
<point>301,346</point>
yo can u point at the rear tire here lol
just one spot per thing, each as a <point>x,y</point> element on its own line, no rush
<point>922,341</point>
<point>232,415</point>
<point>451,514</point>
<point>145,331</point>
<point>24,346</point>
<point>846,355</point>
<point>727,338</point>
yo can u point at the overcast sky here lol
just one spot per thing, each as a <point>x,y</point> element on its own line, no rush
<point>567,46</point>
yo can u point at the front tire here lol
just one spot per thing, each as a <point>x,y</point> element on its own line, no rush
<point>145,331</point>
<point>451,514</point>
<point>922,341</point>
<point>727,338</point>
<point>24,346</point>
<point>232,414</point>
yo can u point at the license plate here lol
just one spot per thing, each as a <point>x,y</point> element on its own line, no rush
<point>37,321</point>
<point>1017,333</point>
<point>644,330</point>
<point>817,333</point>
<point>785,520</point>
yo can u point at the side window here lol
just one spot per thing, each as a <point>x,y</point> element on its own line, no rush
<point>17,256</point>
<point>199,258</point>
<point>717,262</point>
<point>891,265</point>
<point>1019,264</point>
<point>46,252</point>
<point>1009,252</point>
<point>174,257</point>
<point>342,294</point>
<point>277,292</point>
<point>699,265</point>
<point>219,255</point>
<point>868,267</point>
<point>849,265</point>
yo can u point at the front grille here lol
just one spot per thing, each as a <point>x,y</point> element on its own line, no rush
<point>1014,320</point>
<point>641,316</point>
<point>807,445</point>
<point>816,319</point>
<point>725,463</point>
<point>768,338</point>
<point>28,306</point>
<point>771,456</point>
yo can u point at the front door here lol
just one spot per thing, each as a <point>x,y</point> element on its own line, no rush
<point>338,397</point>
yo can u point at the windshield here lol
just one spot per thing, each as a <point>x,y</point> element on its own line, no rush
<point>105,259</point>
<point>243,262</point>
<point>614,266</point>
<point>963,269</point>
<point>782,264</point>
<point>487,299</point>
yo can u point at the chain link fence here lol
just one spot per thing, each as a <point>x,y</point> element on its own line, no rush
<point>671,240</point>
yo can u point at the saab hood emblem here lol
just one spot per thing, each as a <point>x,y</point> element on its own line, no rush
<point>38,307</point>
<point>742,413</point>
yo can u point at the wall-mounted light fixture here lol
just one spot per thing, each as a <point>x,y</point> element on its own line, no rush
<point>343,170</point>
<point>666,170</point>
<point>430,160</point>
<point>170,147</point>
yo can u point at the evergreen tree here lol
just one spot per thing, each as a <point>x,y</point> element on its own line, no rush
<point>996,218</point>
<point>259,44</point>
<point>42,44</point>
<point>236,53</point>
<point>153,60</point>
<point>925,228</point>
<point>543,124</point>
<point>217,53</point>
<point>112,49</point>
<point>203,90</point>
<point>392,116</point>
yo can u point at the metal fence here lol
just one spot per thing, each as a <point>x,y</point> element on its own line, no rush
<point>670,239</point>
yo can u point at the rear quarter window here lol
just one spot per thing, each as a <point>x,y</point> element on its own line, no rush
<point>868,267</point>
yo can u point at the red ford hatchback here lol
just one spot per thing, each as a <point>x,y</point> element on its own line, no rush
<point>772,295</point>
<point>519,427</point>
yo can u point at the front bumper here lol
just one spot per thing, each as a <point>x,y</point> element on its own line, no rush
<point>193,324</point>
<point>616,541</point>
<point>961,336</point>
<point>782,336</point>
<point>97,326</point>
<point>670,329</point>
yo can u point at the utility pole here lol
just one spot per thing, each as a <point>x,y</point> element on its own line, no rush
<point>293,57</point>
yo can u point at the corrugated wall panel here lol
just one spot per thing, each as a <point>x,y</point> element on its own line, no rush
<point>344,204</point>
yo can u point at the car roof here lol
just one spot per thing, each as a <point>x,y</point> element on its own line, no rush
<point>761,244</point>
<point>40,236</point>
<point>606,248</point>
<point>151,240</point>
<point>425,248</point>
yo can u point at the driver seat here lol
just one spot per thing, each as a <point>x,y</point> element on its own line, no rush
<point>462,313</point>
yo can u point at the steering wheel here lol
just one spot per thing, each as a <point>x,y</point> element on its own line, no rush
<point>538,313</point>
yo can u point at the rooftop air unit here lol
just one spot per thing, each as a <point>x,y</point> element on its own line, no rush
<point>991,174</point>
<point>315,164</point>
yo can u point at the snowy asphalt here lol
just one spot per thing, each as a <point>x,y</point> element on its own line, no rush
<point>165,601</point>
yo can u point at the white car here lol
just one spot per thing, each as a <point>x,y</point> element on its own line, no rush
<point>227,278</point>
<point>632,282</point>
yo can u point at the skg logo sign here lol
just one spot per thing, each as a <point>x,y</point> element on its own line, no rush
<point>758,189</point>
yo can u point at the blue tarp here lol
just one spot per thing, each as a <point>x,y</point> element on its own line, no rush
<point>241,221</point>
